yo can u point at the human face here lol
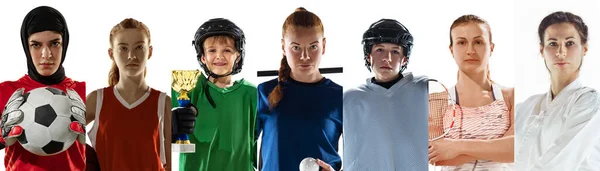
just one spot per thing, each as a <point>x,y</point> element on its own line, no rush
<point>46,51</point>
<point>220,54</point>
<point>130,51</point>
<point>303,48</point>
<point>471,47</point>
<point>386,60</point>
<point>562,49</point>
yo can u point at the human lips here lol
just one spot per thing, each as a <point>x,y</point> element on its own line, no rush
<point>46,64</point>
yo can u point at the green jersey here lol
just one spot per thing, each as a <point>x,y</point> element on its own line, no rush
<point>225,135</point>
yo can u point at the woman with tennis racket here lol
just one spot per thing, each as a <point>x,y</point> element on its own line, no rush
<point>477,131</point>
<point>560,129</point>
<point>385,119</point>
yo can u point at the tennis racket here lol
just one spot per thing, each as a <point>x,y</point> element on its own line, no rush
<point>442,109</point>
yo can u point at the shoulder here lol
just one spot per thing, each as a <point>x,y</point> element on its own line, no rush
<point>7,85</point>
<point>508,93</point>
<point>4,87</point>
<point>586,97</point>
<point>78,86</point>
<point>331,85</point>
<point>356,91</point>
<point>6,90</point>
<point>95,93</point>
<point>531,101</point>
<point>355,94</point>
<point>99,91</point>
<point>246,85</point>
<point>419,78</point>
<point>267,86</point>
<point>160,93</point>
<point>79,83</point>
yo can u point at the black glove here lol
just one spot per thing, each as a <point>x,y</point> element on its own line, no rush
<point>183,120</point>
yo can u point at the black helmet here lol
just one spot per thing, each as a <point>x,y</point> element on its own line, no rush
<point>215,27</point>
<point>387,31</point>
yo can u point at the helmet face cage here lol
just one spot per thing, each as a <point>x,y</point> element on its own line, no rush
<point>218,27</point>
<point>387,31</point>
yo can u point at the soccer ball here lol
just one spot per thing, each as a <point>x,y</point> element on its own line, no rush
<point>46,119</point>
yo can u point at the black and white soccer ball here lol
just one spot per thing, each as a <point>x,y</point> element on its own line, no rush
<point>46,120</point>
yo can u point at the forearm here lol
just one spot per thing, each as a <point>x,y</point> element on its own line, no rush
<point>458,160</point>
<point>499,150</point>
<point>168,154</point>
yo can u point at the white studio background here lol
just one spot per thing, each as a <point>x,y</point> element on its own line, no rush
<point>172,26</point>
<point>89,26</point>
<point>430,22</point>
<point>533,77</point>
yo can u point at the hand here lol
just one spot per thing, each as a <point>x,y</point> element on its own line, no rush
<point>324,166</point>
<point>11,116</point>
<point>442,149</point>
<point>183,120</point>
<point>78,112</point>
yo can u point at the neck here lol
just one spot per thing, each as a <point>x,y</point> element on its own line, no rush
<point>473,81</point>
<point>308,78</point>
<point>381,79</point>
<point>559,82</point>
<point>132,86</point>
<point>222,82</point>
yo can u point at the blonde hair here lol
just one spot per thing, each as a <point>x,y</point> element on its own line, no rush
<point>128,23</point>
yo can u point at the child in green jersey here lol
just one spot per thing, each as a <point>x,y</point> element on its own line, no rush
<point>226,119</point>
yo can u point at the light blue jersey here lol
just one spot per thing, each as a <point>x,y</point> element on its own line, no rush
<point>386,129</point>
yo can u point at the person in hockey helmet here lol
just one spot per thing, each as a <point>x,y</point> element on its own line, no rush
<point>219,44</point>
<point>387,31</point>
<point>219,27</point>
<point>216,27</point>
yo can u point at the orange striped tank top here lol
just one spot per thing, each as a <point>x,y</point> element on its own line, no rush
<point>129,136</point>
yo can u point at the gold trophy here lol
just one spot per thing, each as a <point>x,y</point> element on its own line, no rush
<point>183,82</point>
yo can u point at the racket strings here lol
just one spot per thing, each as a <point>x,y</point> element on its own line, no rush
<point>438,107</point>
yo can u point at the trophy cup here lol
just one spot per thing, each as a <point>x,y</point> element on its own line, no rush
<point>183,82</point>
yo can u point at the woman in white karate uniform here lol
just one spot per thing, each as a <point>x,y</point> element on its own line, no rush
<point>559,130</point>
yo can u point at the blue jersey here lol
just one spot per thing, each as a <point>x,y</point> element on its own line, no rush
<point>307,122</point>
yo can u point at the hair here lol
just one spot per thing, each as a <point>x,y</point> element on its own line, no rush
<point>299,18</point>
<point>470,18</point>
<point>128,23</point>
<point>219,39</point>
<point>563,17</point>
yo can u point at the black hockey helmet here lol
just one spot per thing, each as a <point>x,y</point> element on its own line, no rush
<point>215,27</point>
<point>387,31</point>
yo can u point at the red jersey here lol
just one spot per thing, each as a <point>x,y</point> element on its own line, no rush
<point>17,158</point>
<point>129,136</point>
